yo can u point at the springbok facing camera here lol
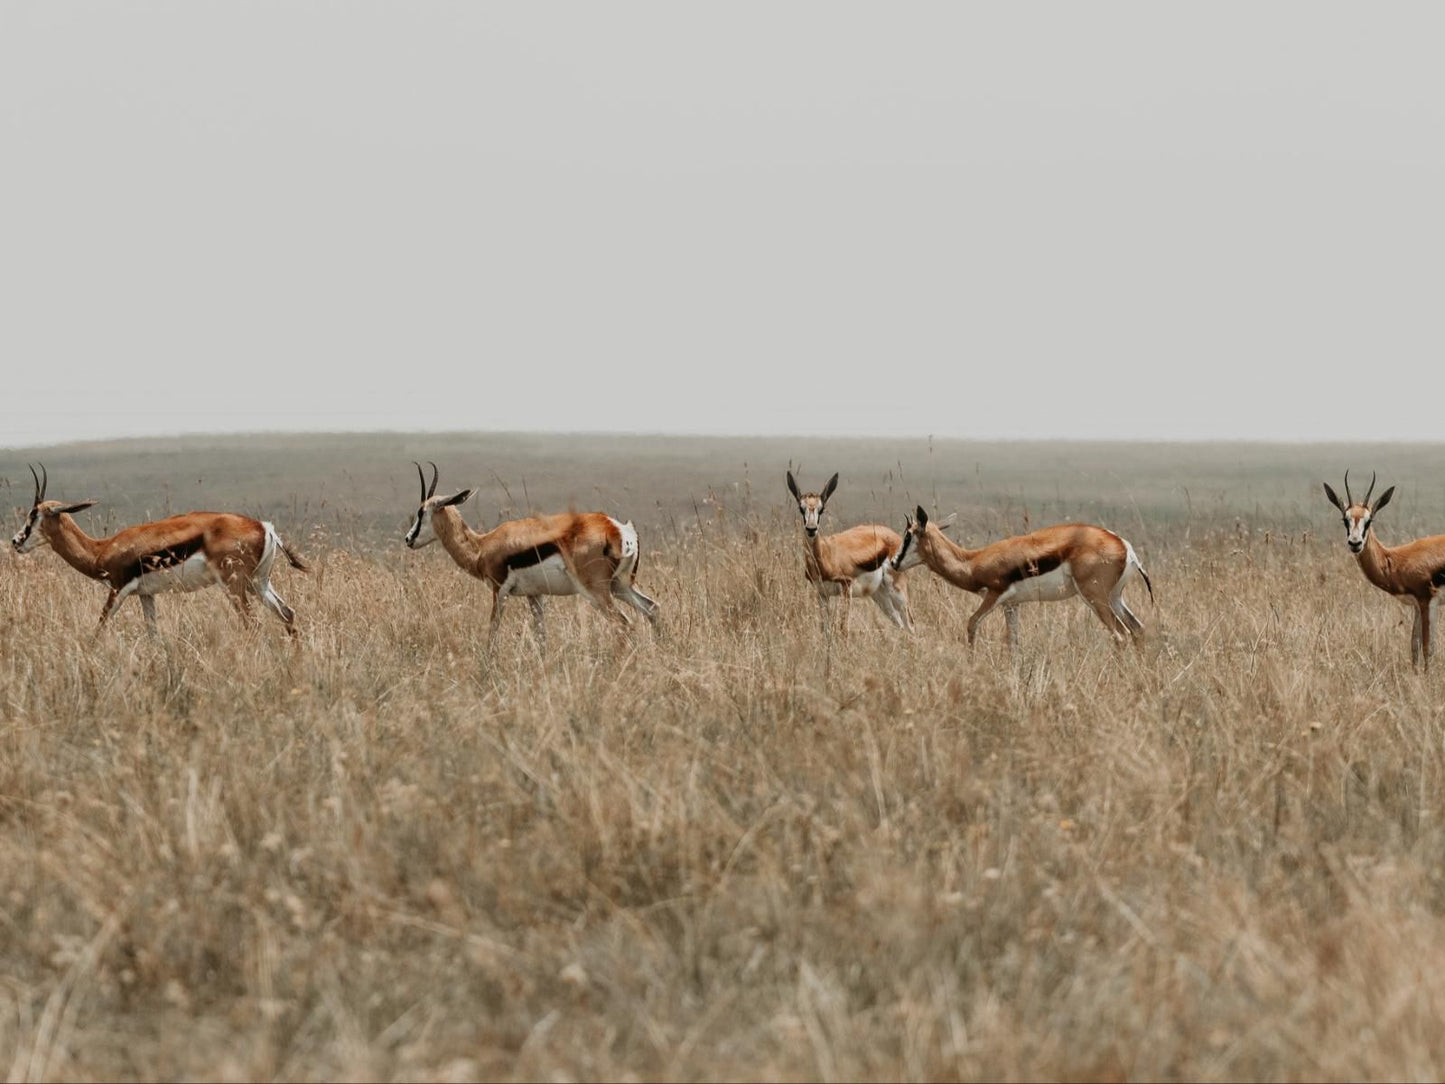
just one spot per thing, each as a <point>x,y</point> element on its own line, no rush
<point>1413,572</point>
<point>1045,566</point>
<point>180,553</point>
<point>587,553</point>
<point>851,562</point>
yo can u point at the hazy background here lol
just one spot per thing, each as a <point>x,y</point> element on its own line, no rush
<point>1135,221</point>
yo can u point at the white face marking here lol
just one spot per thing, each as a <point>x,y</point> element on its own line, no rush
<point>1357,524</point>
<point>812,509</point>
<point>1050,587</point>
<point>29,536</point>
<point>420,532</point>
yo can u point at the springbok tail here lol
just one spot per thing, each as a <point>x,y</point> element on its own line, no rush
<point>273,538</point>
<point>1132,558</point>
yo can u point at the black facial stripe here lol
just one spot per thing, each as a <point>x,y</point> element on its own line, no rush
<point>903,549</point>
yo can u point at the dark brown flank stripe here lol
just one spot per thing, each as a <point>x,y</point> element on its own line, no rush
<point>1030,569</point>
<point>533,555</point>
<point>1438,579</point>
<point>161,560</point>
<point>873,564</point>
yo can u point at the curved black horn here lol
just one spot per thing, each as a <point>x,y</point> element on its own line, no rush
<point>1349,501</point>
<point>435,474</point>
<point>422,475</point>
<point>1366,501</point>
<point>37,483</point>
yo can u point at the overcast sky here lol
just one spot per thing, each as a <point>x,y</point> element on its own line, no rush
<point>1002,220</point>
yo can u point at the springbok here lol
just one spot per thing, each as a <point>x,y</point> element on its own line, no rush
<point>1044,566</point>
<point>1413,572</point>
<point>180,553</point>
<point>587,553</point>
<point>851,562</point>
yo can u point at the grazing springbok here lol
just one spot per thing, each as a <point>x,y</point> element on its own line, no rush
<point>1044,566</point>
<point>1413,572</point>
<point>180,553</point>
<point>851,562</point>
<point>586,553</point>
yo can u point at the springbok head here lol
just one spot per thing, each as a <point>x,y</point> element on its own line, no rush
<point>811,505</point>
<point>421,532</point>
<point>42,513</point>
<point>1358,516</point>
<point>915,538</point>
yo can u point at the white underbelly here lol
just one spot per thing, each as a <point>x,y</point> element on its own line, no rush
<point>192,574</point>
<point>547,577</point>
<point>1050,587</point>
<point>864,586</point>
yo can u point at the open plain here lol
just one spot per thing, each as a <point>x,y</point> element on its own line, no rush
<point>746,847</point>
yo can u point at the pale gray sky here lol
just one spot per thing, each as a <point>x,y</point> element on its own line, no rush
<point>1003,220</point>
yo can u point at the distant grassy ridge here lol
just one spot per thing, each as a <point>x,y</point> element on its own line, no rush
<point>359,490</point>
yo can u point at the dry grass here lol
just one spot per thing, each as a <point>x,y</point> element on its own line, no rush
<point>745,849</point>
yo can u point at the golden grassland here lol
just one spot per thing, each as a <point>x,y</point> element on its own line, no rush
<point>746,847</point>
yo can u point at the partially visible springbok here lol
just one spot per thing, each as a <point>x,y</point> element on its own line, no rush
<point>180,553</point>
<point>1045,566</point>
<point>586,553</point>
<point>855,562</point>
<point>1414,572</point>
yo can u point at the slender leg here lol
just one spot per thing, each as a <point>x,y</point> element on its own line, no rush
<point>898,587</point>
<point>847,605</point>
<point>498,598</point>
<point>1105,613</point>
<point>990,600</point>
<point>1126,615</point>
<point>236,590</point>
<point>148,607</point>
<point>884,600</point>
<point>1415,640</point>
<point>539,627</point>
<point>822,610</point>
<point>1011,615</point>
<point>112,600</point>
<point>1425,632</point>
<point>272,601</point>
<point>629,594</point>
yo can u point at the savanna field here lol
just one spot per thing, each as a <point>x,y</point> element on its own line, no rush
<point>744,847</point>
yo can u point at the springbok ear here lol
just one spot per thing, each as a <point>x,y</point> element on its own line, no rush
<point>1384,500</point>
<point>459,498</point>
<point>71,509</point>
<point>828,489</point>
<point>793,487</point>
<point>1333,496</point>
<point>920,516</point>
<point>947,523</point>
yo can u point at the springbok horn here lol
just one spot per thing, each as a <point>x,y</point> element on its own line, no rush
<point>421,474</point>
<point>435,474</point>
<point>1370,490</point>
<point>1349,501</point>
<point>44,481</point>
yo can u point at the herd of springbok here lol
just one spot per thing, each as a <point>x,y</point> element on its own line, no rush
<point>597,555</point>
